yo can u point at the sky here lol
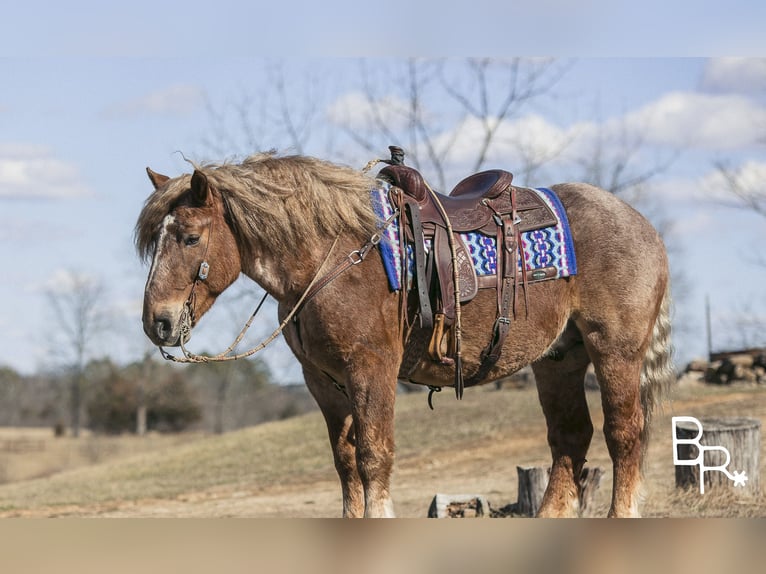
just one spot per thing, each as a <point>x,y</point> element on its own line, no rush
<point>85,108</point>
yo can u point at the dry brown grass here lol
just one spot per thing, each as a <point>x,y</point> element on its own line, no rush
<point>29,453</point>
<point>285,468</point>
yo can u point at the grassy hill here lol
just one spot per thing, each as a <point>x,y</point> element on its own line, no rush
<point>285,468</point>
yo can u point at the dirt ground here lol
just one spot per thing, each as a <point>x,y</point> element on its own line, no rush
<point>314,499</point>
<point>486,466</point>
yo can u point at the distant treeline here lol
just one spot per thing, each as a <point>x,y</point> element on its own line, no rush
<point>214,397</point>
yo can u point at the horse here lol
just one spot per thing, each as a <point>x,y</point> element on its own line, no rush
<point>284,221</point>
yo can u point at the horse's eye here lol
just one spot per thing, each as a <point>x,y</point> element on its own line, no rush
<point>192,240</point>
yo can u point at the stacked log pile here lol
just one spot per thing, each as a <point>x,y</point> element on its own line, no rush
<point>728,368</point>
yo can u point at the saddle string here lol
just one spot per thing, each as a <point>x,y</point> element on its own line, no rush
<point>459,382</point>
<point>523,264</point>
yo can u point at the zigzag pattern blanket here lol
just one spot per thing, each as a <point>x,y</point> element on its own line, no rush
<point>550,247</point>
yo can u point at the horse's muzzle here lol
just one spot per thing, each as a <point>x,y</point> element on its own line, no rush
<point>163,330</point>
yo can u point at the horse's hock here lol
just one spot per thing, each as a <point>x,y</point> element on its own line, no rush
<point>740,436</point>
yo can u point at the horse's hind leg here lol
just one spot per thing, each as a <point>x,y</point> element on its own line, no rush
<point>617,349</point>
<point>336,409</point>
<point>560,386</point>
<point>618,375</point>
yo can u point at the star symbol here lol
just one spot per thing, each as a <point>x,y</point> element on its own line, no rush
<point>740,478</point>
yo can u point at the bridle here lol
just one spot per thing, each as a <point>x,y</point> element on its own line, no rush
<point>187,318</point>
<point>318,282</point>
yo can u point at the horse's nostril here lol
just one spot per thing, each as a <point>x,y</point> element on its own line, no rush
<point>162,328</point>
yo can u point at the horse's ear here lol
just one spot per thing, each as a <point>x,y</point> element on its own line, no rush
<point>157,179</point>
<point>200,188</point>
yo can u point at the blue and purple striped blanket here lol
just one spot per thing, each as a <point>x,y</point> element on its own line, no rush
<point>542,248</point>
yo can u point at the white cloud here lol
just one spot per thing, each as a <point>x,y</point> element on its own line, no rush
<point>712,188</point>
<point>175,100</point>
<point>686,119</point>
<point>740,75</point>
<point>356,111</point>
<point>63,281</point>
<point>678,120</point>
<point>531,137</point>
<point>678,189</point>
<point>750,176</point>
<point>33,172</point>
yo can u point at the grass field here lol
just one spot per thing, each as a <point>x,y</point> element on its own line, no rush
<point>284,469</point>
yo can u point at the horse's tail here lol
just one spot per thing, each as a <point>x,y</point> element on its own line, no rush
<point>657,373</point>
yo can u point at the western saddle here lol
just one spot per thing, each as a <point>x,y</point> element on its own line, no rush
<point>445,277</point>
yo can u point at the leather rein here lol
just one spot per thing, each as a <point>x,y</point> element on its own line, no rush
<point>317,283</point>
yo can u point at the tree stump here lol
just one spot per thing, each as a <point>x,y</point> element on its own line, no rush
<point>533,480</point>
<point>590,480</point>
<point>741,436</point>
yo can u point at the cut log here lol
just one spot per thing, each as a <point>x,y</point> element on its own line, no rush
<point>741,436</point>
<point>697,365</point>
<point>458,506</point>
<point>742,360</point>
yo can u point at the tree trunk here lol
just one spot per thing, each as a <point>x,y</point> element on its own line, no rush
<point>220,403</point>
<point>141,408</point>
<point>739,435</point>
<point>75,403</point>
<point>141,420</point>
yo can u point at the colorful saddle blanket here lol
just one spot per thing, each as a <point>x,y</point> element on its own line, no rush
<point>548,253</point>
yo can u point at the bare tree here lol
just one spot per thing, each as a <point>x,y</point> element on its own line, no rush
<point>747,191</point>
<point>237,128</point>
<point>746,194</point>
<point>481,96</point>
<point>616,159</point>
<point>520,82</point>
<point>429,107</point>
<point>280,115</point>
<point>78,317</point>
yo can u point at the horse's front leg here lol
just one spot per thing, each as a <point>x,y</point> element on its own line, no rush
<point>336,409</point>
<point>372,391</point>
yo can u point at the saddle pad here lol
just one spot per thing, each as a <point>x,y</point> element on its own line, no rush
<point>547,248</point>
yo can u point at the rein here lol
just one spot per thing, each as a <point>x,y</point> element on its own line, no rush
<point>318,283</point>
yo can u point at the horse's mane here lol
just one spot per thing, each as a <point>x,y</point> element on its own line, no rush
<point>275,201</point>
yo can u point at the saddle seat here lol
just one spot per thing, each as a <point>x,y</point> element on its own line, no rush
<point>475,202</point>
<point>486,184</point>
<point>489,184</point>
